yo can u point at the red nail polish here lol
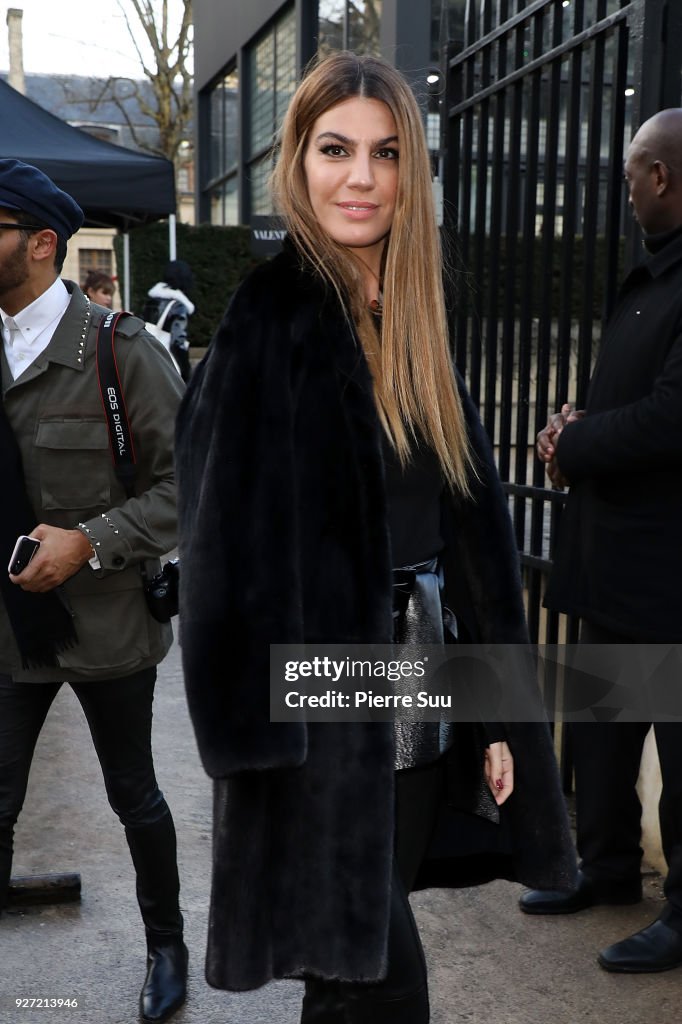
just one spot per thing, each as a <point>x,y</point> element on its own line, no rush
<point>498,784</point>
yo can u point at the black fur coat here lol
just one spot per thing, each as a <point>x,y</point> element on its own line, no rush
<point>283,539</point>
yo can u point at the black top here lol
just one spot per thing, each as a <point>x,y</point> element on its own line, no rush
<point>413,493</point>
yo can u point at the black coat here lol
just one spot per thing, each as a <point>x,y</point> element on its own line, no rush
<point>619,557</point>
<point>284,539</point>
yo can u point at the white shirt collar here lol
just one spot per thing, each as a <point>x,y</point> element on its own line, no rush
<point>39,314</point>
<point>35,325</point>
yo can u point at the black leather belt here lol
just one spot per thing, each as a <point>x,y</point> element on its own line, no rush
<point>417,605</point>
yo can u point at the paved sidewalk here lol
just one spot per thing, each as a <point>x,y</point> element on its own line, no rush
<point>489,964</point>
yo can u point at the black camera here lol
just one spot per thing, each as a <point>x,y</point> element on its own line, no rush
<point>162,592</point>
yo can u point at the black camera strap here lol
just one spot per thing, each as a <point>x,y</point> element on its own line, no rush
<point>113,403</point>
<point>123,455</point>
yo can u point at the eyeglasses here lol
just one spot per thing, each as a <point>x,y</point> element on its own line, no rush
<point>21,227</point>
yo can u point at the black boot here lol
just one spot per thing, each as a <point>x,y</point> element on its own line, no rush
<point>406,1009</point>
<point>152,848</point>
<point>332,1002</point>
<point>5,864</point>
<point>323,1003</point>
<point>165,986</point>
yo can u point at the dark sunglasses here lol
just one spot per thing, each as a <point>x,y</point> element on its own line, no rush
<point>21,227</point>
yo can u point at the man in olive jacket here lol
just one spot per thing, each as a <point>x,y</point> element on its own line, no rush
<point>77,613</point>
<point>619,558</point>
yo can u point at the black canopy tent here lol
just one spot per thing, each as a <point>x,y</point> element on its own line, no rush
<point>116,187</point>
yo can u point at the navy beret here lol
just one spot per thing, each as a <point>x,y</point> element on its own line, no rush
<point>24,187</point>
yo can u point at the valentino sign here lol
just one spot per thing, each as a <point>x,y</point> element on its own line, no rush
<point>267,234</point>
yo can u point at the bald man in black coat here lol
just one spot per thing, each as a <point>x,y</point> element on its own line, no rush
<point>618,564</point>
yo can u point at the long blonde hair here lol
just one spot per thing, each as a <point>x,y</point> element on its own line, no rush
<point>411,367</point>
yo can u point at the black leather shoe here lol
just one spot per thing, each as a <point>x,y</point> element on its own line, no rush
<point>656,948</point>
<point>165,987</point>
<point>587,894</point>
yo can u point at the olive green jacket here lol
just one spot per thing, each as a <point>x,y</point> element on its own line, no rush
<point>56,412</point>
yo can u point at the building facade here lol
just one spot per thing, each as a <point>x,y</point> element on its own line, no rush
<point>249,58</point>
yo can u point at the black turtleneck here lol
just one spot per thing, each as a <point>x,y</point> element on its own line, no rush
<point>654,243</point>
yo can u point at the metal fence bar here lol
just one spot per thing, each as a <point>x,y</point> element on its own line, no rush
<point>480,218</point>
<point>527,285</point>
<point>496,228</point>
<point>507,25</point>
<point>570,204</point>
<point>591,208</point>
<point>513,161</point>
<point>614,188</point>
<point>550,173</point>
<point>453,173</point>
<point>561,50</point>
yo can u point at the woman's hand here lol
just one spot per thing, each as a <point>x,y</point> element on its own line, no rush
<point>499,771</point>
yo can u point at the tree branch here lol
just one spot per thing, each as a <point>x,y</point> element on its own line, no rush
<point>168,75</point>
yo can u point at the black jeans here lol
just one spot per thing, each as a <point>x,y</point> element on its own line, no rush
<point>402,996</point>
<point>119,714</point>
<point>606,758</point>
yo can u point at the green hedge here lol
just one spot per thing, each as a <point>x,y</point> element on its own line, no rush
<point>219,257</point>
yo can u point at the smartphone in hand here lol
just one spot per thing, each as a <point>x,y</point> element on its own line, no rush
<point>24,550</point>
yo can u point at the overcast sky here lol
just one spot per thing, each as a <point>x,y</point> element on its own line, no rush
<point>82,37</point>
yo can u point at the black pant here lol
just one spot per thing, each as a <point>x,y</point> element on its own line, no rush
<point>119,714</point>
<point>607,759</point>
<point>402,996</point>
<point>181,356</point>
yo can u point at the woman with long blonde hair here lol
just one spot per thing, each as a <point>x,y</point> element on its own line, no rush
<point>336,487</point>
<point>410,361</point>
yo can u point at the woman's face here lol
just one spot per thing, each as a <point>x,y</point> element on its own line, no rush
<point>351,169</point>
<point>104,298</point>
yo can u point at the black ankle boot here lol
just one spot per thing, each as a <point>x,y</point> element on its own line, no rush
<point>165,986</point>
<point>407,1009</point>
<point>323,1003</point>
<point>6,844</point>
<point>333,1002</point>
<point>152,848</point>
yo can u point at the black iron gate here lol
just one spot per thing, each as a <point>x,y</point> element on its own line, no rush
<point>541,98</point>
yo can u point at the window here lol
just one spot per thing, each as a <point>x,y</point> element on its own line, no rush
<point>447,23</point>
<point>331,25</point>
<point>271,63</point>
<point>364,24</point>
<point>262,92</point>
<point>223,150</point>
<point>95,259</point>
<point>223,125</point>
<point>224,205</point>
<point>349,25</point>
<point>258,187</point>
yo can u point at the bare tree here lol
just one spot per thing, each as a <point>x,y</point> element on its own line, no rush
<point>167,73</point>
